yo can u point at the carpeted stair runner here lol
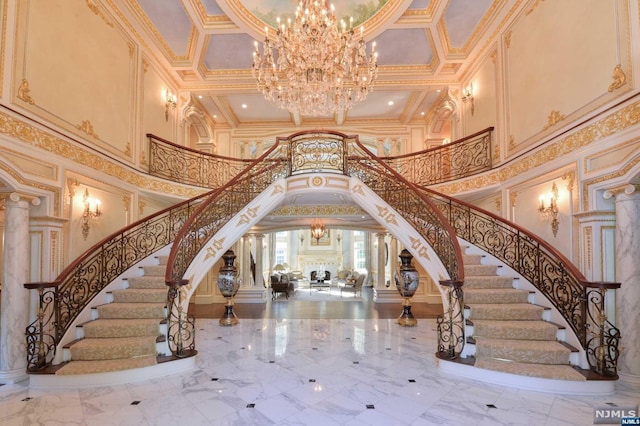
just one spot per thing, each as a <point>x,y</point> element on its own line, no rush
<point>126,333</point>
<point>508,332</point>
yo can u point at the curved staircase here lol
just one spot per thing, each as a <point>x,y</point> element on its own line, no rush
<point>129,332</point>
<point>508,332</point>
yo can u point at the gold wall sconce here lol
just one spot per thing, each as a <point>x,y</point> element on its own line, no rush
<point>91,212</point>
<point>548,207</point>
<point>467,97</point>
<point>171,103</point>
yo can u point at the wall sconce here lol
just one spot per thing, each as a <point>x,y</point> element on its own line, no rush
<point>170,104</point>
<point>91,212</point>
<point>467,96</point>
<point>339,238</point>
<point>301,237</point>
<point>548,206</point>
<point>317,230</point>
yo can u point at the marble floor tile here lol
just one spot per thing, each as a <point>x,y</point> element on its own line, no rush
<point>305,372</point>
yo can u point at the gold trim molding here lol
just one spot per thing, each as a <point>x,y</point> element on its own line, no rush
<point>619,78</point>
<point>554,118</point>
<point>94,8</point>
<point>87,128</point>
<point>23,92</point>
<point>324,210</point>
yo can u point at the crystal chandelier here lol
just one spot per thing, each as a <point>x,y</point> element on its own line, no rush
<point>313,66</point>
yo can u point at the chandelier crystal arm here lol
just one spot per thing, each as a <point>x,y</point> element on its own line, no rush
<point>314,66</point>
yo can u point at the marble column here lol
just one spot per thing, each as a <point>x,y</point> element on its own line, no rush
<point>627,201</point>
<point>393,259</point>
<point>381,260</point>
<point>259,260</point>
<point>245,262</point>
<point>15,299</point>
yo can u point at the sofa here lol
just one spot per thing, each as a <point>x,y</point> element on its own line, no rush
<point>281,283</point>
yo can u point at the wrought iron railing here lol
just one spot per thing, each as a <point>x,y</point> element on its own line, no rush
<point>450,324</point>
<point>62,300</point>
<point>581,303</point>
<point>304,152</point>
<point>459,159</point>
<point>189,166</point>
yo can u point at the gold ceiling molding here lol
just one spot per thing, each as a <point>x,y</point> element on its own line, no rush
<point>87,128</point>
<point>315,210</point>
<point>613,123</point>
<point>23,92</point>
<point>152,28</point>
<point>554,118</point>
<point>37,138</point>
<point>94,8</point>
<point>532,8</point>
<point>619,78</point>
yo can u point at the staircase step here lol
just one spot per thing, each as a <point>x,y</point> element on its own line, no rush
<point>147,282</point>
<point>140,295</point>
<point>543,352</point>
<point>154,270</point>
<point>556,372</point>
<point>504,311</point>
<point>162,260</point>
<point>487,282</point>
<point>121,328</point>
<point>113,348</point>
<point>131,310</point>
<point>517,330</point>
<point>105,366</point>
<point>480,270</point>
<point>490,295</point>
<point>472,259</point>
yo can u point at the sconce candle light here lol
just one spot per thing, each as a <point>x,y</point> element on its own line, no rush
<point>317,230</point>
<point>548,206</point>
<point>170,104</point>
<point>91,212</point>
<point>467,96</point>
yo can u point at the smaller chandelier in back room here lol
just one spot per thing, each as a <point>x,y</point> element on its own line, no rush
<point>313,66</point>
<point>317,230</point>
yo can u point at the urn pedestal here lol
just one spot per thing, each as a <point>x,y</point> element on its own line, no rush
<point>407,280</point>
<point>228,284</point>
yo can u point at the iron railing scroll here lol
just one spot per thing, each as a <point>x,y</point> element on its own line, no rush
<point>414,207</point>
<point>181,332</point>
<point>580,302</point>
<point>450,324</point>
<point>460,159</point>
<point>312,152</point>
<point>601,337</point>
<point>189,166</point>
<point>62,300</point>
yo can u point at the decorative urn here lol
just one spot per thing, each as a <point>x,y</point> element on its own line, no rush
<point>407,281</point>
<point>228,283</point>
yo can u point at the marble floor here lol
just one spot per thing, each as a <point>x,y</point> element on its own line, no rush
<point>305,372</point>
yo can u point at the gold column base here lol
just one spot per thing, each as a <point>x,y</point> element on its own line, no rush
<point>229,318</point>
<point>407,319</point>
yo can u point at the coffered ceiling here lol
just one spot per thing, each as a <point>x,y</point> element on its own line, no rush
<point>425,47</point>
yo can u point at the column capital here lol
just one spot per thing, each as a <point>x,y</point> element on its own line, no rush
<point>627,189</point>
<point>17,196</point>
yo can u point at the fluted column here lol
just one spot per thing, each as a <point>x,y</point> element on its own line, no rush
<point>627,200</point>
<point>15,299</point>
<point>381,260</point>
<point>246,262</point>
<point>259,260</point>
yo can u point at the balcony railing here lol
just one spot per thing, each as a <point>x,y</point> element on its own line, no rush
<point>460,159</point>
<point>189,166</point>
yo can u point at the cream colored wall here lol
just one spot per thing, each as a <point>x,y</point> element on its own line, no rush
<point>560,59</point>
<point>484,97</point>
